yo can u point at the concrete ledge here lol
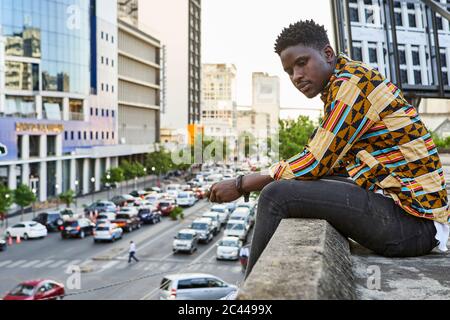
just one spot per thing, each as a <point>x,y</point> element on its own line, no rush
<point>305,260</point>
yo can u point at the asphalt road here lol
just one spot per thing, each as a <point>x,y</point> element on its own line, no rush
<point>102,271</point>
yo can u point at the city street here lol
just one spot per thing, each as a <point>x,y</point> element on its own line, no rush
<point>105,272</point>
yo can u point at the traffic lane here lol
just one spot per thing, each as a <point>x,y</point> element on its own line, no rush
<point>54,245</point>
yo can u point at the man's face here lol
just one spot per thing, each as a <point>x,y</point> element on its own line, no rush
<point>309,69</point>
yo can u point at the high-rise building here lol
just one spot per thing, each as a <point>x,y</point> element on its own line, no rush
<point>219,100</point>
<point>266,97</point>
<point>178,25</point>
<point>59,94</point>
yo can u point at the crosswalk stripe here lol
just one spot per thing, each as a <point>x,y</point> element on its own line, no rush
<point>165,266</point>
<point>57,264</point>
<point>122,265</point>
<point>4,263</point>
<point>72,263</point>
<point>16,264</point>
<point>29,264</point>
<point>43,264</point>
<point>109,265</point>
<point>152,266</point>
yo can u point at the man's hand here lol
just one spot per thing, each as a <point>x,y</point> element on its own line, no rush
<point>224,191</point>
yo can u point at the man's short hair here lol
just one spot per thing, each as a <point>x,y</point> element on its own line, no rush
<point>307,33</point>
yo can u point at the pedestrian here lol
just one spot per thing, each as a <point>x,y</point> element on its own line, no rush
<point>371,169</point>
<point>132,252</point>
<point>244,253</point>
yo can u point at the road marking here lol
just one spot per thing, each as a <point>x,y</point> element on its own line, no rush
<point>122,265</point>
<point>17,263</point>
<point>31,263</point>
<point>4,263</point>
<point>152,265</point>
<point>72,263</point>
<point>109,265</point>
<point>43,264</point>
<point>57,264</point>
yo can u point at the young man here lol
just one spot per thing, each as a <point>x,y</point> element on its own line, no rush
<point>395,202</point>
<point>132,252</point>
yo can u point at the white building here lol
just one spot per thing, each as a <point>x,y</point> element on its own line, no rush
<point>266,97</point>
<point>178,25</point>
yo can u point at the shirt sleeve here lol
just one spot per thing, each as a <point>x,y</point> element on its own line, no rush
<point>349,113</point>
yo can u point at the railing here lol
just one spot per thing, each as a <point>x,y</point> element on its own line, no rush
<point>76,116</point>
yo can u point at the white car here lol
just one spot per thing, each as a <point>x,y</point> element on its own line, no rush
<point>153,198</point>
<point>129,210</point>
<point>186,240</point>
<point>186,198</point>
<point>228,248</point>
<point>27,230</point>
<point>214,216</point>
<point>107,232</point>
<point>243,214</point>
<point>223,212</point>
<point>236,228</point>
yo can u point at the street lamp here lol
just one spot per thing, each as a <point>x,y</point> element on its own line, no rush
<point>135,183</point>
<point>76,193</point>
<point>109,184</point>
<point>6,218</point>
<point>93,188</point>
<point>57,195</point>
<point>32,205</point>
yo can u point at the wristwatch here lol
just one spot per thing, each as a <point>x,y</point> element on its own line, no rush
<point>239,188</point>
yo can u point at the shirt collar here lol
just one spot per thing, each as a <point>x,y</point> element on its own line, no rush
<point>341,61</point>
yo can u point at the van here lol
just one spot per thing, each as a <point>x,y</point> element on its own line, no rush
<point>204,228</point>
<point>214,216</point>
<point>236,228</point>
<point>194,286</point>
<point>243,214</point>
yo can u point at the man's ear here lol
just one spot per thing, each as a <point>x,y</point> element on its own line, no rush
<point>329,54</point>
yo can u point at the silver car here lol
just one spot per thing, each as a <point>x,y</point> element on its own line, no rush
<point>194,286</point>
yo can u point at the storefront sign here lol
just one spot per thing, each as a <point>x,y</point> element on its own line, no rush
<point>41,128</point>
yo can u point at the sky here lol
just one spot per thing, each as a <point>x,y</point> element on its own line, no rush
<point>243,32</point>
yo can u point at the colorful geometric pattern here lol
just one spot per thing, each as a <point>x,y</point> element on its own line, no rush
<point>372,134</point>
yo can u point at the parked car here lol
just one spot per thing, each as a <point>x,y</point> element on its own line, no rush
<point>52,220</point>
<point>204,228</point>
<point>78,228</point>
<point>186,199</point>
<point>236,228</point>
<point>215,219</point>
<point>228,248</point>
<point>186,240</point>
<point>123,200</point>
<point>127,221</point>
<point>149,215</point>
<point>166,206</point>
<point>194,286</point>
<point>100,206</point>
<point>3,244</point>
<point>36,290</point>
<point>107,232</point>
<point>27,230</point>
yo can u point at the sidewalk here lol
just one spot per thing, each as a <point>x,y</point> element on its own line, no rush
<point>77,206</point>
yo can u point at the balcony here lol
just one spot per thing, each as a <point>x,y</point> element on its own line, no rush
<point>76,116</point>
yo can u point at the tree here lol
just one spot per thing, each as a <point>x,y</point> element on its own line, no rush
<point>294,135</point>
<point>24,196</point>
<point>6,200</point>
<point>115,176</point>
<point>67,197</point>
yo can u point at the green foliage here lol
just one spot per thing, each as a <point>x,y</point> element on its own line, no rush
<point>115,175</point>
<point>6,199</point>
<point>440,142</point>
<point>160,160</point>
<point>177,212</point>
<point>67,197</point>
<point>132,170</point>
<point>294,135</point>
<point>247,144</point>
<point>24,196</point>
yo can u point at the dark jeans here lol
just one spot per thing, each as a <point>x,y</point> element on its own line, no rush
<point>131,256</point>
<point>371,219</point>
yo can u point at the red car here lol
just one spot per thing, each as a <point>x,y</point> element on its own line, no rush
<point>37,290</point>
<point>166,206</point>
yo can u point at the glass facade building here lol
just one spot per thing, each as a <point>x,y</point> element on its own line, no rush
<point>53,39</point>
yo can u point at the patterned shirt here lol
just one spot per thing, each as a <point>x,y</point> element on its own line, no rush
<point>372,134</point>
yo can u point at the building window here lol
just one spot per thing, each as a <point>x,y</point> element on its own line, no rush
<point>102,59</point>
<point>96,135</point>
<point>107,87</point>
<point>112,134</point>
<point>398,13</point>
<point>72,136</point>
<point>112,113</point>
<point>439,24</point>
<point>107,112</point>
<point>103,135</point>
<point>415,55</point>
<point>92,135</point>
<point>112,89</point>
<point>107,135</point>
<point>402,55</point>
<point>96,112</point>
<point>106,37</point>
<point>92,111</point>
<point>66,136</point>
<point>373,56</point>
<point>103,87</point>
<point>357,51</point>
<point>112,39</point>
<point>411,15</point>
<point>417,77</point>
<point>102,36</point>
<point>85,135</point>
<point>112,62</point>
<point>107,61</point>
<point>353,11</point>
